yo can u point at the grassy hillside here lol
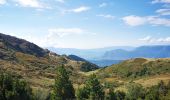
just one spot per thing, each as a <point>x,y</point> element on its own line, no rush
<point>35,64</point>
<point>144,71</point>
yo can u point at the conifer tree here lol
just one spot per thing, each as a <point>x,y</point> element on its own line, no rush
<point>63,88</point>
<point>95,88</point>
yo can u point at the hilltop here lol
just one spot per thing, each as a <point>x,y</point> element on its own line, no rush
<point>138,70</point>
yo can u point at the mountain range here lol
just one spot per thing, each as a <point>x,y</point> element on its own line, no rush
<point>114,55</point>
<point>157,51</point>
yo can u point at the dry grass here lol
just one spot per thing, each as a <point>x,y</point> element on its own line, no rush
<point>153,80</point>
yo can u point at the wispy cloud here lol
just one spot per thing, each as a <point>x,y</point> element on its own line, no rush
<point>160,1</point>
<point>78,10</point>
<point>55,36</point>
<point>61,32</point>
<point>147,38</point>
<point>133,20</point>
<point>2,2</point>
<point>150,39</point>
<point>106,16</point>
<point>163,11</point>
<point>30,3</point>
<point>61,1</point>
<point>167,39</point>
<point>102,5</point>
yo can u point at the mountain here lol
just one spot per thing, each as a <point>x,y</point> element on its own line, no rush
<point>113,55</point>
<point>157,51</point>
<point>92,55</point>
<point>88,54</point>
<point>37,65</point>
<point>21,45</point>
<point>74,57</point>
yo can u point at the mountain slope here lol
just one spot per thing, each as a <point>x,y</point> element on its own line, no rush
<point>21,45</point>
<point>35,64</point>
<point>74,57</point>
<point>139,67</point>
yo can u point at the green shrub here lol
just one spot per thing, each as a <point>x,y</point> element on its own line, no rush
<point>12,88</point>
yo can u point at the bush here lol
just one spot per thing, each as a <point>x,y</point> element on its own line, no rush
<point>12,88</point>
<point>135,91</point>
<point>159,92</point>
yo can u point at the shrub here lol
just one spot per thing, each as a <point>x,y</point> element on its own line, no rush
<point>12,88</point>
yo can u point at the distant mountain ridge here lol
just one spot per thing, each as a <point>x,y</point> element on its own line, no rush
<point>88,54</point>
<point>113,55</point>
<point>157,51</point>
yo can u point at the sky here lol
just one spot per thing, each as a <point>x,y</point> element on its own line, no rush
<point>87,24</point>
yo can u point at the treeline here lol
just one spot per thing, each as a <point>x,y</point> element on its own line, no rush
<point>13,88</point>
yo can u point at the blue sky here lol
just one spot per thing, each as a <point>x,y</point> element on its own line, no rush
<point>87,24</point>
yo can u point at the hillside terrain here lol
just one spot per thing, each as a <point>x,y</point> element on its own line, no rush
<point>36,64</point>
<point>140,70</point>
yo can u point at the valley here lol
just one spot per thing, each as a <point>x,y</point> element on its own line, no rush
<point>38,67</point>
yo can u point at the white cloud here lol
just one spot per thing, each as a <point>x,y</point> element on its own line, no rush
<point>2,2</point>
<point>160,1</point>
<point>61,1</point>
<point>147,38</point>
<point>106,16</point>
<point>78,10</point>
<point>163,11</point>
<point>134,20</point>
<point>102,5</point>
<point>152,20</point>
<point>61,32</point>
<point>54,36</point>
<point>150,39</point>
<point>158,21</point>
<point>167,39</point>
<point>30,3</point>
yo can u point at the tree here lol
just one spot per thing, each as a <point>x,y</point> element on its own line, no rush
<point>92,90</point>
<point>95,88</point>
<point>63,88</point>
<point>12,88</point>
<point>82,93</point>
